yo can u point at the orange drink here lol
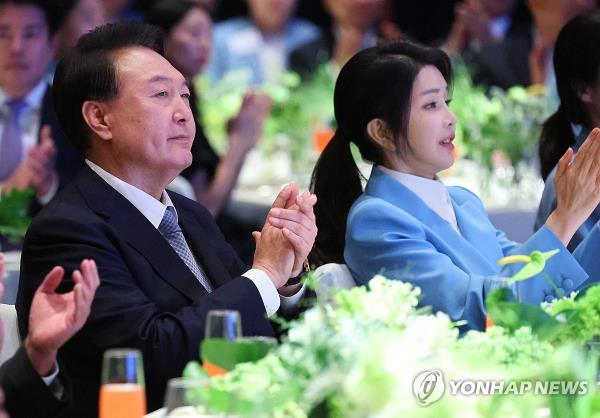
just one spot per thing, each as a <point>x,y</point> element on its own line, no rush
<point>122,394</point>
<point>212,369</point>
<point>488,321</point>
<point>122,400</point>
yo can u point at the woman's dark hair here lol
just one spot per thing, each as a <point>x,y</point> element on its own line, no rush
<point>576,65</point>
<point>88,72</point>
<point>166,14</point>
<point>375,83</point>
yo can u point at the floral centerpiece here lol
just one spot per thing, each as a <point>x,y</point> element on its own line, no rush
<point>366,354</point>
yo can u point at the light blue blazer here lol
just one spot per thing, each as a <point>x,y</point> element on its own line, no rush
<point>393,232</point>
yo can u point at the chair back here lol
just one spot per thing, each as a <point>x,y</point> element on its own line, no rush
<point>12,340</point>
<point>330,277</point>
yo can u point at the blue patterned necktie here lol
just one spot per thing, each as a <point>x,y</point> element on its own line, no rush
<point>11,146</point>
<point>169,228</point>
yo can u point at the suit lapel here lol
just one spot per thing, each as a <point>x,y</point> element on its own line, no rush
<point>475,228</point>
<point>465,247</point>
<point>139,233</point>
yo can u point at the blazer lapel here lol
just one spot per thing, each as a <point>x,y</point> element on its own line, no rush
<point>475,228</point>
<point>134,228</point>
<point>465,246</point>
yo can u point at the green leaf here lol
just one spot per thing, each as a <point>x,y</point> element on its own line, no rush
<point>13,213</point>
<point>228,353</point>
<point>506,313</point>
<point>194,371</point>
<point>534,267</point>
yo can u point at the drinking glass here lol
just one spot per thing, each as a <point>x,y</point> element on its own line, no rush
<point>122,394</point>
<point>223,323</point>
<point>184,399</point>
<point>498,282</point>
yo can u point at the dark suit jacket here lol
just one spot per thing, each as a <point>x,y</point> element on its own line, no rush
<point>26,394</point>
<point>147,299</point>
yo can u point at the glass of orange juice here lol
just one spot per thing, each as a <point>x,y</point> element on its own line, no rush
<point>122,394</point>
<point>221,324</point>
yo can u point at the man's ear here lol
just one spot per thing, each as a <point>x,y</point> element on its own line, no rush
<point>380,132</point>
<point>95,115</point>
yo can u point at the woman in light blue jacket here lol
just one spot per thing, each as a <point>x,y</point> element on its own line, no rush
<point>391,101</point>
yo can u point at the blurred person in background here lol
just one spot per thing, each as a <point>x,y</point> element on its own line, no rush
<point>494,36</point>
<point>549,17</point>
<point>354,27</point>
<point>260,43</point>
<point>117,10</point>
<point>83,16</point>
<point>34,152</point>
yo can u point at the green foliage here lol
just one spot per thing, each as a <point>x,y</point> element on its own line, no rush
<point>507,121</point>
<point>298,109</point>
<point>512,316</point>
<point>510,348</point>
<point>581,316</point>
<point>13,213</point>
<point>229,353</point>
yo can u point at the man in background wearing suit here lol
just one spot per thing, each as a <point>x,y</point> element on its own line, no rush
<point>34,152</point>
<point>164,264</point>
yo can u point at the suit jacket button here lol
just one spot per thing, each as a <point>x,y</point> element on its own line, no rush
<point>567,284</point>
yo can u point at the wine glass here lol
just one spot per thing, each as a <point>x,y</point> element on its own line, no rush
<point>122,394</point>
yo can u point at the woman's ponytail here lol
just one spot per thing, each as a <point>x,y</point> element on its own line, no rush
<point>337,182</point>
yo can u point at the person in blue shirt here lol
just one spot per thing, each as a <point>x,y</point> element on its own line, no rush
<point>391,102</point>
<point>261,43</point>
<point>577,68</point>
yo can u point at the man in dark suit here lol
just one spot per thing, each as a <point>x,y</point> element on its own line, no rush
<point>34,384</point>
<point>164,264</point>
<point>34,152</point>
